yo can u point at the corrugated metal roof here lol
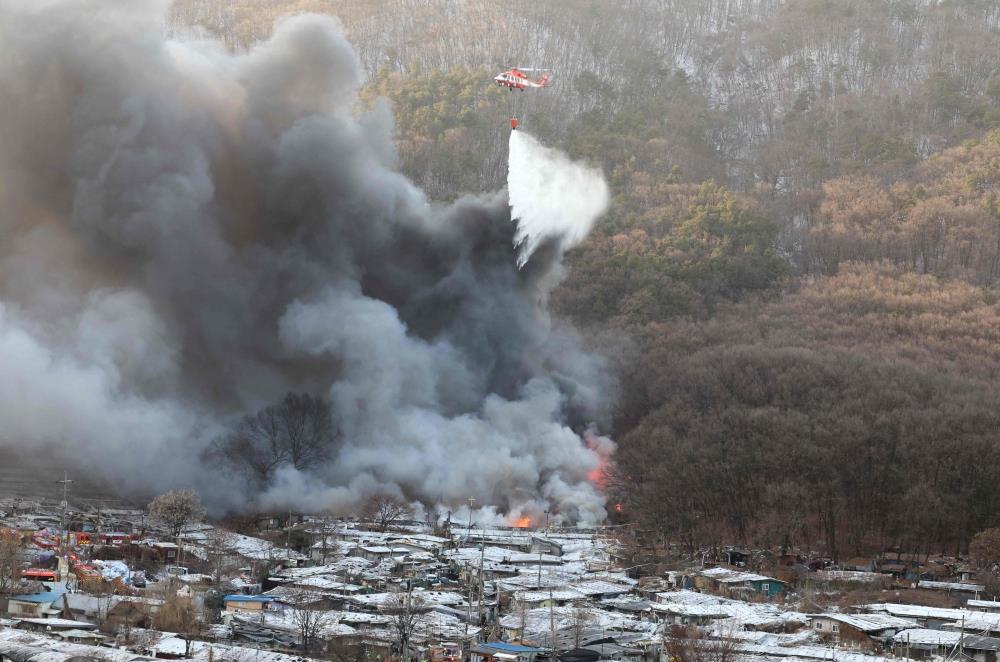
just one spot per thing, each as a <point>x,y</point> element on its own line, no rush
<point>248,598</point>
<point>510,648</point>
<point>38,598</point>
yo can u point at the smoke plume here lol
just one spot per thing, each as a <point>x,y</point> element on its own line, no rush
<point>187,234</point>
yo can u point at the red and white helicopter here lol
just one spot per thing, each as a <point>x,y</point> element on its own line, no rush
<point>515,79</point>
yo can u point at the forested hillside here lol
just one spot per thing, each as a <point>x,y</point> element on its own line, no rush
<point>797,276</point>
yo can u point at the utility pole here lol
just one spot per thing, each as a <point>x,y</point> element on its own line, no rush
<point>100,541</point>
<point>552,624</point>
<point>325,536</point>
<point>468,576</point>
<point>961,641</point>
<point>468,531</point>
<point>64,535</point>
<point>405,647</point>
<point>468,609</point>
<point>482,586</point>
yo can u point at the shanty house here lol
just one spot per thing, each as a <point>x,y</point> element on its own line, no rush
<point>987,606</point>
<point>929,617</point>
<point>53,625</point>
<point>859,630</point>
<point>247,604</point>
<point>543,598</point>
<point>924,643</point>
<point>35,605</point>
<point>166,552</point>
<point>540,545</point>
<point>377,553</point>
<point>499,651</point>
<point>727,581</point>
<point>956,588</point>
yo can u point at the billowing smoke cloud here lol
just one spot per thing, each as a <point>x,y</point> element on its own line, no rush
<point>551,197</point>
<point>186,235</point>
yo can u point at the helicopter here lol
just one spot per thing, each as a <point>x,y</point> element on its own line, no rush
<point>515,79</point>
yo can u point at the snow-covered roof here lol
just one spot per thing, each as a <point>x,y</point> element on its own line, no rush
<point>327,583</point>
<point>727,576</point>
<point>869,622</point>
<point>918,611</point>
<point>697,611</point>
<point>59,623</point>
<point>41,648</point>
<point>379,550</point>
<point>847,576</point>
<point>808,653</point>
<point>978,621</point>
<point>426,597</point>
<point>472,555</point>
<point>202,651</point>
<point>539,621</point>
<point>257,548</point>
<point>735,614</point>
<point>313,571</point>
<point>627,603</point>
<point>194,578</point>
<point>925,636</point>
<point>541,596</point>
<point>294,596</point>
<point>77,633</point>
<point>983,604</point>
<point>951,586</point>
<point>599,587</point>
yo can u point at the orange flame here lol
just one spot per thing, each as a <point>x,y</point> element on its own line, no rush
<point>602,448</point>
<point>522,522</point>
<point>599,475</point>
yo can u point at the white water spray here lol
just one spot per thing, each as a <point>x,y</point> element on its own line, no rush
<point>551,196</point>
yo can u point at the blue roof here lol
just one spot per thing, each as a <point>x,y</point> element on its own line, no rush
<point>38,598</point>
<point>511,648</point>
<point>248,598</point>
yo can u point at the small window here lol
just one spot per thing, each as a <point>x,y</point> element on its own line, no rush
<point>836,627</point>
<point>818,625</point>
<point>765,587</point>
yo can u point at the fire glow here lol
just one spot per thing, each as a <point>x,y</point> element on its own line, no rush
<point>523,522</point>
<point>598,476</point>
<point>602,448</point>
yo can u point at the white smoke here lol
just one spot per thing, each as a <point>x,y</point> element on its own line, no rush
<point>551,196</point>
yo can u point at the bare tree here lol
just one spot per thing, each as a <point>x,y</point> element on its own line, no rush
<point>11,545</point>
<point>176,509</point>
<point>179,614</point>
<point>687,644</point>
<point>219,546</point>
<point>130,615</point>
<point>139,641</point>
<point>299,432</point>
<point>404,608</point>
<point>985,547</point>
<point>579,621</point>
<point>309,622</point>
<point>103,593</point>
<point>384,510</point>
<point>347,649</point>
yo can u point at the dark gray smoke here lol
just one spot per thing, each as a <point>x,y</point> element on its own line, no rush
<point>186,235</point>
